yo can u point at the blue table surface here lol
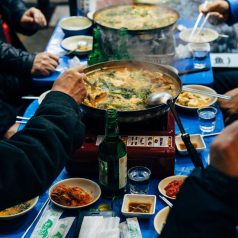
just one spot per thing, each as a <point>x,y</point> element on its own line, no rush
<point>183,165</point>
<point>16,228</point>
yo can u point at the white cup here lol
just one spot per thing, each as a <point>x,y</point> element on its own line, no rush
<point>200,52</point>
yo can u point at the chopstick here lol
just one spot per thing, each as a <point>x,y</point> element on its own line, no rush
<point>29,97</point>
<point>211,134</point>
<point>203,23</point>
<point>166,201</point>
<point>197,22</point>
<point>189,71</point>
<point>38,214</point>
<point>206,93</point>
<point>23,118</point>
<point>20,122</point>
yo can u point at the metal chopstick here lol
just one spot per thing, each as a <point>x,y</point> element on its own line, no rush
<point>29,97</point>
<point>196,23</point>
<point>166,201</point>
<point>21,122</point>
<point>206,93</point>
<point>203,23</point>
<point>23,118</point>
<point>211,134</point>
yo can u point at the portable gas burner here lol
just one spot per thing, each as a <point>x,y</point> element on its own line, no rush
<point>149,143</point>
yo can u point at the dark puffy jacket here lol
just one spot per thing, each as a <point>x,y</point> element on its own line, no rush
<point>14,58</point>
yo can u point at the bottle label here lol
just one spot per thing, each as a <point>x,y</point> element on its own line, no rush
<point>103,172</point>
<point>122,171</point>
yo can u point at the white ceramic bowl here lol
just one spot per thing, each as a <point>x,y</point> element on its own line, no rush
<point>75,25</point>
<point>138,198</point>
<point>9,217</point>
<point>87,185</point>
<point>197,141</point>
<point>73,43</point>
<point>160,219</point>
<point>163,183</point>
<point>205,36</point>
<point>208,100</point>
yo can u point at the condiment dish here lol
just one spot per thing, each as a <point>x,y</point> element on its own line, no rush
<point>197,141</point>
<point>138,205</point>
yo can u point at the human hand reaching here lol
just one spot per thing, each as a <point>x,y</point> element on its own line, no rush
<point>44,64</point>
<point>71,82</point>
<point>33,18</point>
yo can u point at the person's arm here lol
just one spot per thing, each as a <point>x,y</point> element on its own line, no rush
<point>15,60</point>
<point>33,157</point>
<point>233,6</point>
<point>207,206</point>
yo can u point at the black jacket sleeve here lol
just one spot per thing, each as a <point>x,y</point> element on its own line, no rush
<point>33,157</point>
<point>15,60</point>
<point>206,207</point>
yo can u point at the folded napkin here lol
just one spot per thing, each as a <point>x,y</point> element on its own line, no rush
<point>100,227</point>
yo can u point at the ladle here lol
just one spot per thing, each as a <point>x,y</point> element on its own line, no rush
<point>166,98</point>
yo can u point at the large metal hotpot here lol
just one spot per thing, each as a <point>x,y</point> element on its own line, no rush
<point>131,116</point>
<point>142,41</point>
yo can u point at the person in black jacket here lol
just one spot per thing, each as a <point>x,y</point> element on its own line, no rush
<point>206,206</point>
<point>17,66</point>
<point>34,157</point>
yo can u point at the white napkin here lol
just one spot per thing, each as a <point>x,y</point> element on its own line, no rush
<point>100,227</point>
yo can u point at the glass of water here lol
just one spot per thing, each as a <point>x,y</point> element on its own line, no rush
<point>207,118</point>
<point>200,52</point>
<point>138,179</point>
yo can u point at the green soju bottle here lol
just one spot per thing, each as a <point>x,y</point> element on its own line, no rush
<point>112,159</point>
<point>122,50</point>
<point>96,56</point>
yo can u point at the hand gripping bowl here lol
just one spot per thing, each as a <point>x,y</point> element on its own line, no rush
<point>135,115</point>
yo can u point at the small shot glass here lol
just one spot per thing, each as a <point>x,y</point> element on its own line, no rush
<point>138,179</point>
<point>200,52</point>
<point>207,118</point>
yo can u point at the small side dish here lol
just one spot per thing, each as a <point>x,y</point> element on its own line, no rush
<point>170,186</point>
<point>160,219</point>
<point>70,195</point>
<point>18,210</point>
<point>138,205</point>
<point>196,140</point>
<point>75,193</point>
<point>192,101</point>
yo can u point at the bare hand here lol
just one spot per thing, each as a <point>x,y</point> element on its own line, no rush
<point>33,18</point>
<point>71,82</point>
<point>230,107</point>
<point>224,151</point>
<point>44,64</point>
<point>218,10</point>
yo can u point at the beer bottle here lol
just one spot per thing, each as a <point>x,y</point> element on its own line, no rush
<point>96,56</point>
<point>122,50</point>
<point>112,159</point>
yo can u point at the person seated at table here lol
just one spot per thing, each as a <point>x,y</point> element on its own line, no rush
<point>223,11</point>
<point>17,66</point>
<point>32,158</point>
<point>206,206</point>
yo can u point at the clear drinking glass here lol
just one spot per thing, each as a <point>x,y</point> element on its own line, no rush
<point>138,179</point>
<point>200,52</point>
<point>207,118</point>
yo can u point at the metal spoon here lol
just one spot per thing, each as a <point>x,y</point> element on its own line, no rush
<point>166,98</point>
<point>79,44</point>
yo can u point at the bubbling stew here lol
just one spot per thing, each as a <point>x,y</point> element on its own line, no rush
<point>126,88</point>
<point>136,17</point>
